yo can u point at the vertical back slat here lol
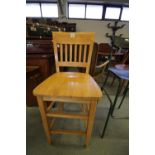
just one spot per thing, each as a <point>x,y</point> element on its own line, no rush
<point>85,50</point>
<point>80,50</point>
<point>66,54</point>
<point>70,51</point>
<point>75,53</point>
<point>56,56</point>
<point>73,50</point>
<point>61,54</point>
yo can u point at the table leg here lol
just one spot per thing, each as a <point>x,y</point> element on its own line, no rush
<point>92,111</point>
<point>42,109</point>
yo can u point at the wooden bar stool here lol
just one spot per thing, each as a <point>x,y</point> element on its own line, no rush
<point>71,50</point>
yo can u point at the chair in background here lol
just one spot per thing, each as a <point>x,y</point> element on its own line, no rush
<point>99,64</point>
<point>100,72</point>
<point>94,59</point>
<point>124,64</point>
<point>104,51</point>
<point>70,50</point>
<point>100,75</point>
<point>104,48</point>
<point>121,74</point>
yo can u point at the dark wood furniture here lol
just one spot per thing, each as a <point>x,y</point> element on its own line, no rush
<point>104,48</point>
<point>93,59</point>
<point>39,52</point>
<point>32,80</point>
<point>105,52</point>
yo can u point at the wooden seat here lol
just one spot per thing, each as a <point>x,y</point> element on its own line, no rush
<point>71,50</point>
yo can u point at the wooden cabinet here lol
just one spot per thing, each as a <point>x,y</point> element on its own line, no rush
<point>44,61</point>
<point>39,52</point>
<point>32,80</point>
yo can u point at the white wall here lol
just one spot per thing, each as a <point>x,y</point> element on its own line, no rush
<point>100,28</point>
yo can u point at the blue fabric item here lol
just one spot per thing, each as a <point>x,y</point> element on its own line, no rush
<point>120,73</point>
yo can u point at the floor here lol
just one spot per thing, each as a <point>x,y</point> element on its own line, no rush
<point>115,142</point>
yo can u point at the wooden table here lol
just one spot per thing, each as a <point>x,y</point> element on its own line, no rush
<point>68,87</point>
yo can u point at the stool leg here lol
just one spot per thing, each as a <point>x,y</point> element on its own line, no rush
<point>109,113</point>
<point>85,109</point>
<point>44,118</point>
<point>106,122</point>
<point>123,82</point>
<point>105,81</point>
<point>112,81</point>
<point>116,97</point>
<point>125,92</point>
<point>92,110</point>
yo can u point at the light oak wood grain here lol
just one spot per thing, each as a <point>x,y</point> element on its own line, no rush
<point>67,115</point>
<point>44,118</point>
<point>73,40</point>
<point>68,132</point>
<point>69,84</point>
<point>71,50</point>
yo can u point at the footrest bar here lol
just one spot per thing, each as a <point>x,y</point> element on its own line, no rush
<point>67,115</point>
<point>68,132</point>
